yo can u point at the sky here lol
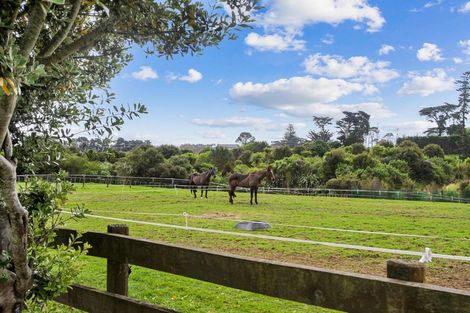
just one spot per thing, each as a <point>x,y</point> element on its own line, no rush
<point>389,58</point>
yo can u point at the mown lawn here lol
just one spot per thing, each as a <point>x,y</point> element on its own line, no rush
<point>448,223</point>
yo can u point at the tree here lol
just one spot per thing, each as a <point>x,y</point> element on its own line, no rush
<point>463,102</point>
<point>373,136</point>
<point>389,137</point>
<point>439,115</point>
<point>290,137</point>
<point>220,156</point>
<point>323,134</point>
<point>244,138</point>
<point>353,127</point>
<point>55,56</point>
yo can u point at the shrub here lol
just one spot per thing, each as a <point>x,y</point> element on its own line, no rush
<point>54,269</point>
<point>343,183</point>
<point>433,150</point>
<point>332,160</point>
<point>465,189</point>
<point>220,156</point>
<point>452,190</point>
<point>245,157</point>
<point>317,148</point>
<point>363,160</point>
<point>281,153</point>
<point>357,148</point>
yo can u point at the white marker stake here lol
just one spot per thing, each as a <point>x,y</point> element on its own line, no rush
<point>186,215</point>
<point>427,256</point>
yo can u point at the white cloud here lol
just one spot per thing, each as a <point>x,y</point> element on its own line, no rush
<point>427,5</point>
<point>145,73</point>
<point>386,49</point>
<point>275,42</point>
<point>304,96</point>
<point>192,77</point>
<point>465,8</point>
<point>294,15</point>
<point>328,39</point>
<point>358,67</point>
<point>465,45</point>
<point>409,128</point>
<point>235,121</point>
<point>427,84</point>
<point>458,60</point>
<point>429,52</point>
<point>302,89</point>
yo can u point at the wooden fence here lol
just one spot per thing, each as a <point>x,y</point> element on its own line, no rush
<point>332,289</point>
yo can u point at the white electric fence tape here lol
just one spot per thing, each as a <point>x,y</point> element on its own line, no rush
<point>328,244</point>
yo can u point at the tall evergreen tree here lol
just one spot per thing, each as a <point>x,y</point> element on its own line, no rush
<point>353,127</point>
<point>440,115</point>
<point>323,134</point>
<point>290,137</point>
<point>464,101</point>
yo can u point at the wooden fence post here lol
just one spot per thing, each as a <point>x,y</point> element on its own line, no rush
<point>408,271</point>
<point>117,272</point>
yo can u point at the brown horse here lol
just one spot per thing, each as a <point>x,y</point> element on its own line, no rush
<point>202,180</point>
<point>251,181</point>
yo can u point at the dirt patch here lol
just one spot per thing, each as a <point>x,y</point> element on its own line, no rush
<point>450,274</point>
<point>220,215</point>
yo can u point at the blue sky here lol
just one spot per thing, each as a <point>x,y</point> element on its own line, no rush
<point>303,57</point>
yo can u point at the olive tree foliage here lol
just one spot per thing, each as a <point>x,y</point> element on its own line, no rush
<point>56,60</point>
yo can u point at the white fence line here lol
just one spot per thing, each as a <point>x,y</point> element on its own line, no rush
<point>294,240</point>
<point>369,232</point>
<point>184,184</point>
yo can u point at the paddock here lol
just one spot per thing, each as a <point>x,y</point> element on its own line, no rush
<point>385,225</point>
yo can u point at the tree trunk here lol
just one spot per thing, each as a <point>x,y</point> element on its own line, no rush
<point>13,222</point>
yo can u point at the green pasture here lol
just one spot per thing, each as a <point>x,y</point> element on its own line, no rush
<point>448,223</point>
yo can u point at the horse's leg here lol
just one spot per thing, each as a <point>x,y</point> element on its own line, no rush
<point>230,199</point>
<point>251,195</point>
<point>194,191</point>
<point>202,191</point>
<point>256,195</point>
<point>231,193</point>
<point>207,187</point>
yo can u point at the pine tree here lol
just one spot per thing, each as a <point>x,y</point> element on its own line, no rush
<point>464,101</point>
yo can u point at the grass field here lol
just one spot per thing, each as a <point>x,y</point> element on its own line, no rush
<point>449,223</point>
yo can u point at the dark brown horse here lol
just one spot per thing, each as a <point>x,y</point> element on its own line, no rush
<point>202,180</point>
<point>252,181</point>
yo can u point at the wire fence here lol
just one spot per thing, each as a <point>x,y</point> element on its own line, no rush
<point>314,192</point>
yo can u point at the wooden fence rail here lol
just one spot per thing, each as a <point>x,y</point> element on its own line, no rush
<point>332,289</point>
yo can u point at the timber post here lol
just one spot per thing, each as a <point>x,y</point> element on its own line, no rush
<point>117,272</point>
<point>405,270</point>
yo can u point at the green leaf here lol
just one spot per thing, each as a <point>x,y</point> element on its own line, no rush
<point>60,2</point>
<point>104,7</point>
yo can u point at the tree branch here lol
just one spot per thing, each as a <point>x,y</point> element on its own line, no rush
<point>8,147</point>
<point>9,17</point>
<point>50,47</point>
<point>7,107</point>
<point>81,43</point>
<point>35,24</point>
